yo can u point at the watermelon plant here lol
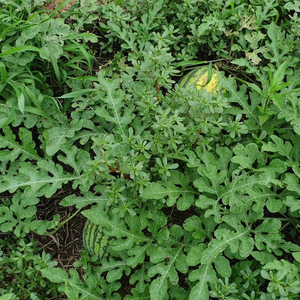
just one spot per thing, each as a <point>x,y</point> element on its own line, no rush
<point>185,192</point>
<point>21,263</point>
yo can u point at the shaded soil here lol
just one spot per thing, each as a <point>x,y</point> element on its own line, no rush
<point>65,244</point>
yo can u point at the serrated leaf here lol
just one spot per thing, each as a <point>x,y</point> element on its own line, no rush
<point>8,296</point>
<point>273,205</point>
<point>247,155</point>
<point>273,31</point>
<point>292,183</point>
<point>137,255</point>
<point>158,288</point>
<point>199,291</point>
<point>35,179</point>
<point>56,275</point>
<point>222,265</point>
<point>292,203</point>
<point>176,189</point>
<point>115,110</point>
<point>194,225</point>
<point>194,255</point>
<point>278,145</point>
<point>295,5</point>
<point>136,294</point>
<point>237,241</point>
<point>75,158</point>
<point>6,215</point>
<point>154,191</point>
<point>279,75</point>
<point>178,293</point>
<point>275,166</point>
<point>87,199</point>
<point>74,288</point>
<point>167,261</point>
<point>24,210</point>
<point>167,274</point>
<point>55,137</point>
<point>205,274</point>
<point>254,37</point>
<point>114,269</point>
<point>24,150</point>
<point>140,278</point>
<point>185,195</point>
<point>215,247</point>
<point>212,176</point>
<point>282,265</point>
<point>238,95</point>
<point>268,237</point>
<point>212,207</point>
<point>245,190</point>
<point>263,257</point>
<point>291,112</point>
<point>243,62</point>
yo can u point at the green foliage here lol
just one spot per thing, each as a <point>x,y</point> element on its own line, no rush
<point>20,266</point>
<point>198,191</point>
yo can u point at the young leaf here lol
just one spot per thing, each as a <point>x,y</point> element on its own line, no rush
<point>87,199</point>
<point>56,275</point>
<point>238,241</point>
<point>35,179</point>
<point>55,137</point>
<point>155,191</point>
<point>239,96</point>
<point>114,110</point>
<point>74,287</point>
<point>204,274</point>
<point>268,237</point>
<point>167,272</point>
<point>114,269</point>
<point>177,190</point>
<point>24,151</point>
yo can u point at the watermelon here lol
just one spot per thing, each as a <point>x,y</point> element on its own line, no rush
<point>199,77</point>
<point>95,241</point>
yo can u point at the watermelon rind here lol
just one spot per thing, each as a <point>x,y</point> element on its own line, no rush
<point>199,77</point>
<point>95,241</point>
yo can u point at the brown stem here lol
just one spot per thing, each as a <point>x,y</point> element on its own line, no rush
<point>198,138</point>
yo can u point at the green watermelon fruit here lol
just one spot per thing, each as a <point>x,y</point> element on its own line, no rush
<point>95,241</point>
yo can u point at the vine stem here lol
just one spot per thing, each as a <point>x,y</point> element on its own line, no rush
<point>63,223</point>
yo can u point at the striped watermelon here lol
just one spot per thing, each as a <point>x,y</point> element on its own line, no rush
<point>95,241</point>
<point>199,77</point>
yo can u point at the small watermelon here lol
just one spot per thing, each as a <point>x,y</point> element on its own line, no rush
<point>95,241</point>
<point>199,77</point>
